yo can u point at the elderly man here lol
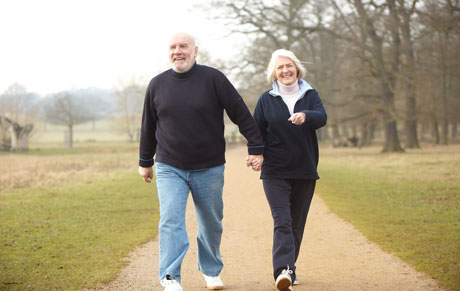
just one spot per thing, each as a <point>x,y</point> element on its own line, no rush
<point>183,127</point>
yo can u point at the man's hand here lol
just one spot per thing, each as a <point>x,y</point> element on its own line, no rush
<point>146,173</point>
<point>297,118</point>
<point>255,161</point>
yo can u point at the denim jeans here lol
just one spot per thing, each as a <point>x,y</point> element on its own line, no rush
<point>174,186</point>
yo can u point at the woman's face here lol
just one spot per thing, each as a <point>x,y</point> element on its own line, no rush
<point>286,71</point>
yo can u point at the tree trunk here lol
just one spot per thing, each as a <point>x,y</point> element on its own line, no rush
<point>445,117</point>
<point>372,127</point>
<point>445,108</point>
<point>391,138</point>
<point>23,137</point>
<point>385,77</point>
<point>68,140</point>
<point>410,124</point>
<point>389,123</point>
<point>335,135</point>
<point>454,131</point>
<point>14,139</point>
<point>367,132</point>
<point>435,130</point>
<point>364,134</point>
<point>411,134</point>
<point>411,104</point>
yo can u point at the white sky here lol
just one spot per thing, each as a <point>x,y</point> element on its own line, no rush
<point>54,45</point>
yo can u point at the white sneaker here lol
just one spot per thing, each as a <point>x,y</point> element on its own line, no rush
<point>283,281</point>
<point>214,283</point>
<point>296,282</point>
<point>171,285</point>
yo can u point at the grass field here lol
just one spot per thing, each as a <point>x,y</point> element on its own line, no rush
<point>99,131</point>
<point>70,217</point>
<point>409,203</point>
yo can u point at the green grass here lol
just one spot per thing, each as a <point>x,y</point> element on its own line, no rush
<point>103,130</point>
<point>71,227</point>
<point>74,234</point>
<point>409,204</point>
<point>82,148</point>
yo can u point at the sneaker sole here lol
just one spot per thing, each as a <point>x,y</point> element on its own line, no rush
<point>283,284</point>
<point>215,288</point>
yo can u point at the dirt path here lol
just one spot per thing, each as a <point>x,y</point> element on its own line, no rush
<point>334,255</point>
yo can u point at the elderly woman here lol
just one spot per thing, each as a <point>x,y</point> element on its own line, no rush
<point>288,116</point>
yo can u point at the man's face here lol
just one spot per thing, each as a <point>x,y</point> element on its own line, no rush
<point>182,52</point>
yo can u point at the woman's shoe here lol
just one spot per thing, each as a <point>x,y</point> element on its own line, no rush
<point>283,281</point>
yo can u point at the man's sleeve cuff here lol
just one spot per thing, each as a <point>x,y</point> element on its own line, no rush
<point>256,150</point>
<point>145,163</point>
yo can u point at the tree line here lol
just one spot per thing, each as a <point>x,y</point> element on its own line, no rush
<point>386,70</point>
<point>21,110</point>
<point>388,67</point>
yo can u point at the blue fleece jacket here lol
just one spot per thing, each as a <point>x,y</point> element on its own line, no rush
<point>291,151</point>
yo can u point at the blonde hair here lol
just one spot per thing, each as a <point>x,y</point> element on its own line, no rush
<point>271,74</point>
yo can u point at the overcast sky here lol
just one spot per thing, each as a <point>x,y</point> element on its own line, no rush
<point>54,45</point>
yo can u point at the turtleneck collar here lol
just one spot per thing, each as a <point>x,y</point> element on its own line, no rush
<point>303,88</point>
<point>185,74</point>
<point>290,89</point>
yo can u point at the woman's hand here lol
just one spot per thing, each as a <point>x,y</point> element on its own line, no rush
<point>255,161</point>
<point>298,118</point>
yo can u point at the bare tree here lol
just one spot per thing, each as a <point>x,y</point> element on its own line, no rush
<point>267,27</point>
<point>69,110</point>
<point>441,58</point>
<point>128,112</point>
<point>368,30</point>
<point>365,59</point>
<point>18,110</point>
<point>18,135</point>
<point>284,24</point>
<point>404,21</point>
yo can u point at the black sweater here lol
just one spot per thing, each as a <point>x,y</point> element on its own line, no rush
<point>183,122</point>
<point>291,151</point>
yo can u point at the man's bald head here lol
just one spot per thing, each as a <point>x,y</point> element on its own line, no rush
<point>183,35</point>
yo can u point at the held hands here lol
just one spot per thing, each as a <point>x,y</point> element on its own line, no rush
<point>255,161</point>
<point>297,118</point>
<point>146,173</point>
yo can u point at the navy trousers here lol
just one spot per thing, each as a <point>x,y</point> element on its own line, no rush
<point>289,201</point>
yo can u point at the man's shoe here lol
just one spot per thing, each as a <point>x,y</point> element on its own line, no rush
<point>283,281</point>
<point>171,285</point>
<point>296,282</point>
<point>214,283</point>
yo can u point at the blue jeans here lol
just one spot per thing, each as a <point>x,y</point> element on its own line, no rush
<point>174,186</point>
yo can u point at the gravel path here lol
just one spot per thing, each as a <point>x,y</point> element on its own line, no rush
<point>334,255</point>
